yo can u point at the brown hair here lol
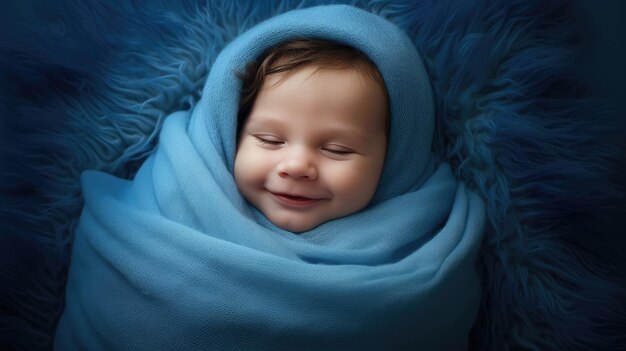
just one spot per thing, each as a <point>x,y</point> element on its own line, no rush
<point>296,54</point>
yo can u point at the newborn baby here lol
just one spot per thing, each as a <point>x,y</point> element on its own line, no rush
<point>328,137</point>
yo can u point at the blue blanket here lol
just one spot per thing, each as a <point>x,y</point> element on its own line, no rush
<point>176,258</point>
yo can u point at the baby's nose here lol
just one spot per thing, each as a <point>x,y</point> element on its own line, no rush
<point>298,165</point>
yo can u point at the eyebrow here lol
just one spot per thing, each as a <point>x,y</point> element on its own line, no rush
<point>352,134</point>
<point>265,120</point>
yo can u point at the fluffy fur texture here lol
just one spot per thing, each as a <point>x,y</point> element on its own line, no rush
<point>88,85</point>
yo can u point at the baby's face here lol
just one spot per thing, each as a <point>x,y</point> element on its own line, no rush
<point>313,147</point>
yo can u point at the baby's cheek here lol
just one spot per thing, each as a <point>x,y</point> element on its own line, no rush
<point>356,183</point>
<point>248,158</point>
<point>249,164</point>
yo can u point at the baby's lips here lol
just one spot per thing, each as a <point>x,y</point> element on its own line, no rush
<point>296,197</point>
<point>296,200</point>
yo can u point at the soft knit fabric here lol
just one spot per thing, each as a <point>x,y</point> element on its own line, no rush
<point>177,259</point>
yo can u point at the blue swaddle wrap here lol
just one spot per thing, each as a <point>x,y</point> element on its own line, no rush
<point>177,259</point>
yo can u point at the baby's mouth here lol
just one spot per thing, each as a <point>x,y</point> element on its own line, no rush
<point>294,200</point>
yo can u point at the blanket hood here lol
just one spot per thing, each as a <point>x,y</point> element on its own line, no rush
<point>410,97</point>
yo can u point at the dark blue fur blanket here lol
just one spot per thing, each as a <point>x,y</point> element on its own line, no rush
<point>87,84</point>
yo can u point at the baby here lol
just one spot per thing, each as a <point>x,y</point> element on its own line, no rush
<point>312,133</point>
<point>319,145</point>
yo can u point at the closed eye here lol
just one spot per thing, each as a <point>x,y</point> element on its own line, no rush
<point>267,141</point>
<point>339,153</point>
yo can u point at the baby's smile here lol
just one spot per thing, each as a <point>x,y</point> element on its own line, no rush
<point>296,200</point>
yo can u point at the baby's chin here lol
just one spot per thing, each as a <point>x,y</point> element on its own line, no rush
<point>296,227</point>
<point>295,224</point>
<point>301,221</point>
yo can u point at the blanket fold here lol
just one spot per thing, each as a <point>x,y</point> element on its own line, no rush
<point>176,258</point>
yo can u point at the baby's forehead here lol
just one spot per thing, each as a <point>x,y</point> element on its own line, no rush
<point>347,93</point>
<point>314,73</point>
